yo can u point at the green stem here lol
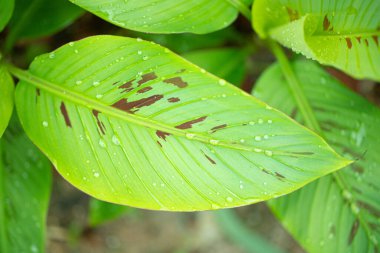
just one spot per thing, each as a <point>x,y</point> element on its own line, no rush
<point>295,88</point>
<point>243,9</point>
<point>3,237</point>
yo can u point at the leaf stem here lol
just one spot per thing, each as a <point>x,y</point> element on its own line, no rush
<point>243,9</point>
<point>295,88</point>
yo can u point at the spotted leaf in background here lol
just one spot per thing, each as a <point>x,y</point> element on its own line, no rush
<point>343,34</point>
<point>339,212</point>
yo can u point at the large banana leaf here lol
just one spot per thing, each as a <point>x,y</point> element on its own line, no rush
<point>6,10</point>
<point>339,212</point>
<point>165,16</point>
<point>344,34</point>
<point>6,97</point>
<point>129,122</point>
<point>25,182</point>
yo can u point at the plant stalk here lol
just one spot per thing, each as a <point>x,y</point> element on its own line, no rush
<point>243,9</point>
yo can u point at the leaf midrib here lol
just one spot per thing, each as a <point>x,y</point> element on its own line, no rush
<point>79,99</point>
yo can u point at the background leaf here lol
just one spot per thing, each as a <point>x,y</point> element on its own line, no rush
<point>101,212</point>
<point>37,18</point>
<point>343,34</point>
<point>6,95</point>
<point>339,212</point>
<point>129,122</point>
<point>6,10</point>
<point>228,63</point>
<point>164,16</point>
<point>25,181</point>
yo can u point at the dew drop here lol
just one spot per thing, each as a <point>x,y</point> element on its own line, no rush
<point>51,55</point>
<point>257,138</point>
<point>347,195</point>
<point>96,174</point>
<point>79,82</point>
<point>251,123</point>
<point>215,206</point>
<point>222,82</point>
<point>145,58</point>
<point>229,199</point>
<point>139,52</point>
<point>76,51</point>
<point>137,39</point>
<point>242,140</point>
<point>203,71</point>
<point>33,248</point>
<point>190,136</point>
<point>214,142</point>
<point>71,44</point>
<point>266,137</point>
<point>45,124</point>
<point>261,121</point>
<point>95,83</point>
<point>99,96</point>
<point>257,150</point>
<point>115,140</point>
<point>268,153</point>
<point>270,121</point>
<point>102,143</point>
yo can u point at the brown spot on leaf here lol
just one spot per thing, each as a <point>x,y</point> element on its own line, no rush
<point>162,135</point>
<point>371,209</point>
<point>376,39</point>
<point>143,90</point>
<point>294,112</point>
<point>181,71</point>
<point>100,124</point>
<point>293,14</point>
<point>214,129</point>
<point>266,171</point>
<point>174,100</point>
<point>127,87</point>
<point>349,43</point>
<point>147,77</point>
<point>359,39</point>
<point>210,159</point>
<point>326,23</point>
<point>38,93</point>
<point>303,153</point>
<point>177,81</point>
<point>354,230</point>
<point>132,107</point>
<point>279,175</point>
<point>190,123</point>
<point>159,143</point>
<point>358,169</point>
<point>366,42</point>
<point>65,115</point>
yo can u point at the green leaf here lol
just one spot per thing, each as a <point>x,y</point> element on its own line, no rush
<point>228,63</point>
<point>165,16</point>
<point>39,18</point>
<point>343,34</point>
<point>25,182</point>
<point>6,95</point>
<point>6,10</point>
<point>241,235</point>
<point>101,212</point>
<point>339,212</point>
<point>129,122</point>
